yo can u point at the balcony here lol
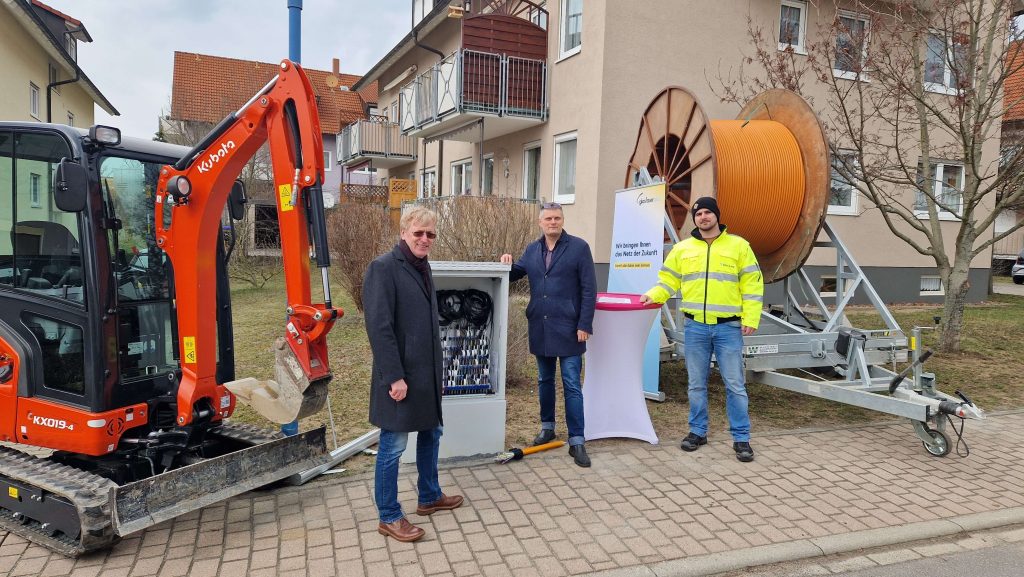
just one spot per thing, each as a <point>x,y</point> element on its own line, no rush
<point>375,140</point>
<point>468,85</point>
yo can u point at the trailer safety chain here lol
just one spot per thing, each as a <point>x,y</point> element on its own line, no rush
<point>959,436</point>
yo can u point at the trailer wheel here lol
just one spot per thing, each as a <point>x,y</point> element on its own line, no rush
<point>940,446</point>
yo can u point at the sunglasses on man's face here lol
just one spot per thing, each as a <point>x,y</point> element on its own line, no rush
<point>420,233</point>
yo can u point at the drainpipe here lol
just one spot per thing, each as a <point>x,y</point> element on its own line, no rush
<point>52,85</point>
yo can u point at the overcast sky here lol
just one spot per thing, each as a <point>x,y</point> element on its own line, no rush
<point>131,57</point>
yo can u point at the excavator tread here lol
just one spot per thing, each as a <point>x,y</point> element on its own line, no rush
<point>89,493</point>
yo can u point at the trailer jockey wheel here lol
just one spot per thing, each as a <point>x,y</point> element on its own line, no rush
<point>940,445</point>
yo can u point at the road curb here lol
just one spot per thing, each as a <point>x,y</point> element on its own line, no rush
<point>736,560</point>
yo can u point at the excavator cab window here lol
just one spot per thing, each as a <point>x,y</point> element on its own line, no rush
<point>39,243</point>
<point>142,271</point>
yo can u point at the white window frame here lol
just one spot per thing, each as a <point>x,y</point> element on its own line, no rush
<point>847,283</point>
<point>801,46</point>
<point>460,166</point>
<point>33,100</point>
<point>849,74</point>
<point>937,184</point>
<point>562,24</point>
<point>839,209</point>
<point>35,190</point>
<point>327,161</point>
<point>71,118</point>
<point>54,76</point>
<point>428,174</point>
<point>72,47</point>
<point>947,71</point>
<point>487,158</point>
<point>526,167</point>
<point>940,292</point>
<point>559,140</point>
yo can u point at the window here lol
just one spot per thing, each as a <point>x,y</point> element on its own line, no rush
<point>944,186</point>
<point>538,16</point>
<point>944,69</point>
<point>34,183</point>
<point>564,189</point>
<point>842,198</point>
<point>487,183</point>
<point>572,28</point>
<point>54,77</point>
<point>394,112</point>
<point>33,100</point>
<point>462,177</point>
<point>793,25</point>
<point>851,45</point>
<point>72,46</point>
<point>531,172</point>
<point>931,285</point>
<point>428,185</point>
<point>827,285</point>
<point>327,161</point>
<point>71,118</point>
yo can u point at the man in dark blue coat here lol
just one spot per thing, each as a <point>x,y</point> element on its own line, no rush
<point>561,319</point>
<point>400,310</point>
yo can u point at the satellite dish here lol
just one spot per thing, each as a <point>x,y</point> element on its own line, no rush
<point>332,81</point>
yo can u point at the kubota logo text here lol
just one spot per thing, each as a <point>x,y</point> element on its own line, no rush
<point>216,155</point>
<point>52,423</point>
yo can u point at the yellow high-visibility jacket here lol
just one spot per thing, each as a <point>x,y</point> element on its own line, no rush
<point>715,281</point>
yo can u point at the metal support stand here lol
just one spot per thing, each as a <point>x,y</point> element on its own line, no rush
<point>804,335</point>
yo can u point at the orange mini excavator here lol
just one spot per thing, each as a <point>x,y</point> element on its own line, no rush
<point>116,345</point>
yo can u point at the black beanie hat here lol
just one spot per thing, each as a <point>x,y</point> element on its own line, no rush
<point>705,202</point>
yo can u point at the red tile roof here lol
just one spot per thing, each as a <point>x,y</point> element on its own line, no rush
<point>1013,87</point>
<point>208,88</point>
<point>57,13</point>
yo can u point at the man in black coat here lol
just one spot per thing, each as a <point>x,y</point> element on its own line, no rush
<point>400,308</point>
<point>563,294</point>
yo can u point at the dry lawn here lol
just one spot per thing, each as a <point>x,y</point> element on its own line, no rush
<point>988,370</point>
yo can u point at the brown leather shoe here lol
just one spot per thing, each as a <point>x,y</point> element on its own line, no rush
<point>443,504</point>
<point>401,530</point>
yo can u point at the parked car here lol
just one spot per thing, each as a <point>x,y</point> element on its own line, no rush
<point>1018,269</point>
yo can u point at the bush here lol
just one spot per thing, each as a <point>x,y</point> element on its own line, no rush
<point>358,233</point>
<point>481,228</point>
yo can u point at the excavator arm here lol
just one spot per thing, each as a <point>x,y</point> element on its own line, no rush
<point>189,205</point>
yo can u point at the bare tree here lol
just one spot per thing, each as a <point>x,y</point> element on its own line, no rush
<point>914,94</point>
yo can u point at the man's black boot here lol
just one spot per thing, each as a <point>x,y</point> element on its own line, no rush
<point>744,452</point>
<point>545,436</point>
<point>692,442</point>
<point>579,454</point>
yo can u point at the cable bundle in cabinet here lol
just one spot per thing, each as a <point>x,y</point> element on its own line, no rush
<point>465,318</point>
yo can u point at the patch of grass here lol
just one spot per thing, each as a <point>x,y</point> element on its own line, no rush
<point>987,370</point>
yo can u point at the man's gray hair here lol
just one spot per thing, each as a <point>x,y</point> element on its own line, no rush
<point>420,215</point>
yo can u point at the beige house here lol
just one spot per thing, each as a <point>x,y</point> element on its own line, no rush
<point>542,100</point>
<point>39,59</point>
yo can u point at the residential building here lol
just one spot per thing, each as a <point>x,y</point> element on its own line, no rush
<point>1005,251</point>
<point>39,59</point>
<point>543,99</point>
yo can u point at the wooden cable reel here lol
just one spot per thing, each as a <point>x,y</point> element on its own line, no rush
<point>769,170</point>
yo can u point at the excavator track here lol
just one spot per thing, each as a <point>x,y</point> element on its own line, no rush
<point>58,486</point>
<point>244,433</point>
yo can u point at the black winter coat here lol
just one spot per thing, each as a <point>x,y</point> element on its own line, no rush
<point>402,325</point>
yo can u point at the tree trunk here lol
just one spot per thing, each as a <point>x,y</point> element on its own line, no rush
<point>957,285</point>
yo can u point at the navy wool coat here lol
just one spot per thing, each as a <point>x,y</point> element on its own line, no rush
<point>562,298</point>
<point>402,325</point>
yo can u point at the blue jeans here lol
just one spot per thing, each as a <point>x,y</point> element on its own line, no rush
<point>571,367</point>
<point>726,342</point>
<point>385,480</point>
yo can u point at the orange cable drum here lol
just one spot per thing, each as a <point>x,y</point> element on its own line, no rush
<point>760,180</point>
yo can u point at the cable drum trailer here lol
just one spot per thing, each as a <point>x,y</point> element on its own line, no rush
<point>770,172</point>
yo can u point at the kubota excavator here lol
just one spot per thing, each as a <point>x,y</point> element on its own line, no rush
<point>116,346</point>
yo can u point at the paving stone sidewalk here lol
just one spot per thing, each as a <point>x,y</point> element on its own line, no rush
<point>639,506</point>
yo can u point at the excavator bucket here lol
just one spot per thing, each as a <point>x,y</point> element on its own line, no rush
<point>289,396</point>
<point>156,499</point>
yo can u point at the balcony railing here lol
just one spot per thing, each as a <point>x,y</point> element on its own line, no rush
<point>375,138</point>
<point>469,81</point>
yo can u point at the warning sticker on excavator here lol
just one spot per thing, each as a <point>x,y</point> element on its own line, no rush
<point>12,492</point>
<point>284,191</point>
<point>190,349</point>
